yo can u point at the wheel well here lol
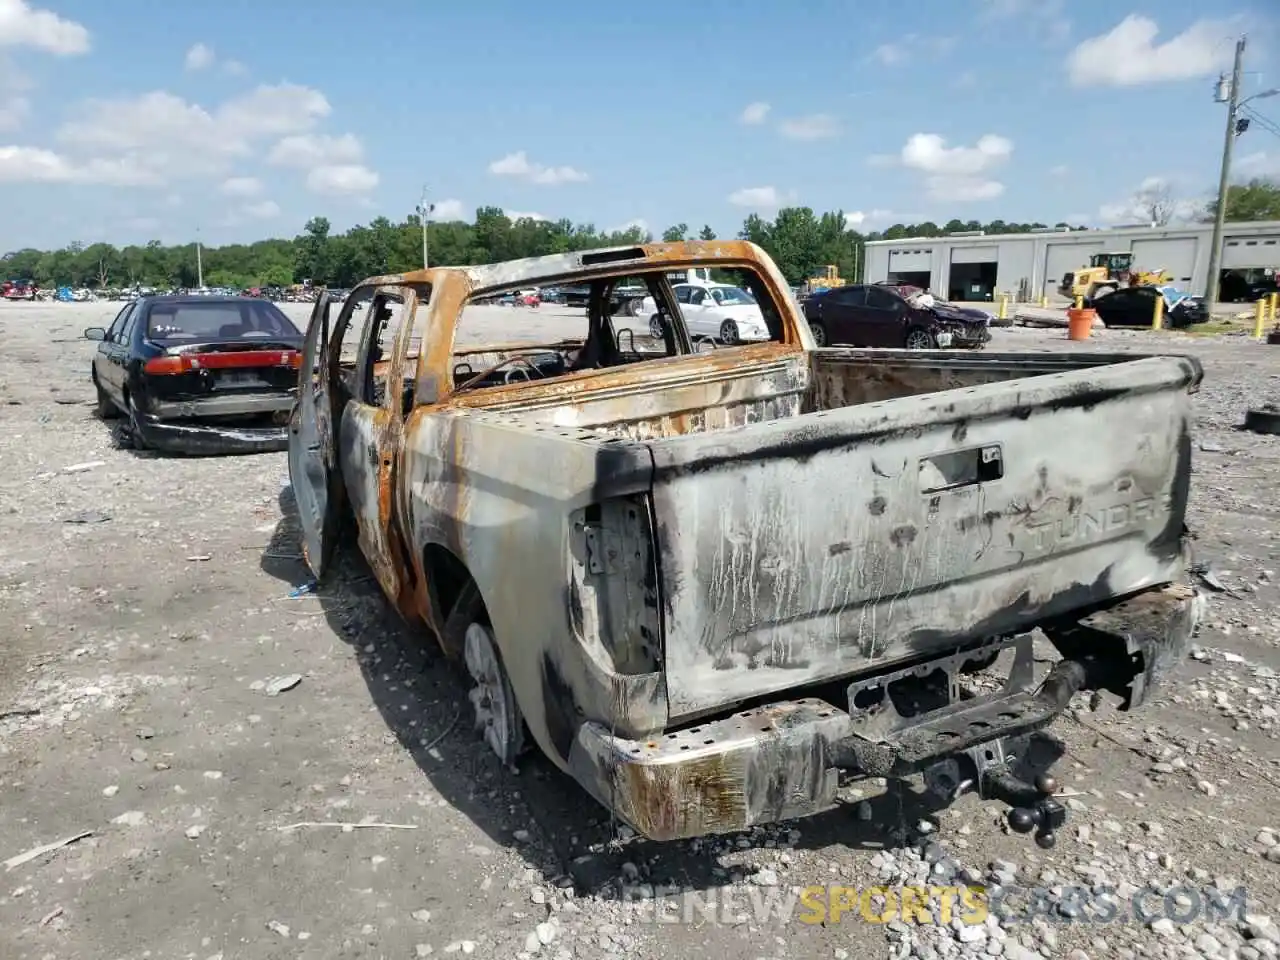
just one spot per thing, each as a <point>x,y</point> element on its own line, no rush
<point>446,577</point>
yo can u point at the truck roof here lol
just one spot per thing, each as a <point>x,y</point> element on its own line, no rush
<point>487,279</point>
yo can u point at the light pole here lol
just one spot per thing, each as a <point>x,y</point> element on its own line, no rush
<point>424,211</point>
<point>1235,127</point>
<point>199,263</point>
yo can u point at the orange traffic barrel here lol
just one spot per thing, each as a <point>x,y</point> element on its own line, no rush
<point>1080,323</point>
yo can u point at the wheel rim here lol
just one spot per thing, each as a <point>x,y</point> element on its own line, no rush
<point>491,698</point>
<point>729,332</point>
<point>917,340</point>
<point>634,307</point>
<point>655,328</point>
<point>819,335</point>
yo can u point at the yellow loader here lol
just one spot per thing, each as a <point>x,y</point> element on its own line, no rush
<point>1106,273</point>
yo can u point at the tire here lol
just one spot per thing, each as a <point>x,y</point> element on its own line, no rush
<point>493,701</point>
<point>635,307</point>
<point>656,328</point>
<point>918,338</point>
<point>1263,420</point>
<point>128,433</point>
<point>106,408</point>
<point>729,333</point>
<point>819,333</point>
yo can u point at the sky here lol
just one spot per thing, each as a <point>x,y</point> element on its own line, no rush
<point>131,121</point>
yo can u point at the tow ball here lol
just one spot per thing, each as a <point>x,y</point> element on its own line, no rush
<point>1032,806</point>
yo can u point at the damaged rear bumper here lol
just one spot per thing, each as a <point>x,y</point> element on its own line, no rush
<point>782,761</point>
<point>209,426</point>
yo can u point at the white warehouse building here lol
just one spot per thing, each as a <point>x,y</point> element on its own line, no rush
<point>975,266</point>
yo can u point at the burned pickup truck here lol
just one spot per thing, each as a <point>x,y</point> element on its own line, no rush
<point>708,585</point>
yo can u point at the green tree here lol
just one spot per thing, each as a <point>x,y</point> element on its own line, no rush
<point>706,233</point>
<point>1258,199</point>
<point>679,232</point>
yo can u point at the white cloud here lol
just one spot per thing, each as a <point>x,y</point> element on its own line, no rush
<point>517,165</point>
<point>342,179</point>
<point>761,198</point>
<point>514,215</point>
<point>860,218</point>
<point>275,110</point>
<point>963,189</point>
<point>929,153</point>
<point>161,137</point>
<point>315,150</point>
<point>263,210</point>
<point>35,165</point>
<point>1259,164</point>
<point>235,68</point>
<point>1128,55</point>
<point>1044,18</point>
<point>242,187</point>
<point>14,105</point>
<point>1154,199</point>
<point>447,210</point>
<point>22,25</point>
<point>889,54</point>
<point>953,174</point>
<point>637,224</point>
<point>754,114</point>
<point>199,57</point>
<point>817,126</point>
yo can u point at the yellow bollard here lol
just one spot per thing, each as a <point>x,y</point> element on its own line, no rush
<point>1275,299</point>
<point>1259,317</point>
<point>1004,306</point>
<point>1079,302</point>
<point>1044,300</point>
<point>1157,316</point>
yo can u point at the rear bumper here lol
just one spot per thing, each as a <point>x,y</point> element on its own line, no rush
<point>209,426</point>
<point>782,761</point>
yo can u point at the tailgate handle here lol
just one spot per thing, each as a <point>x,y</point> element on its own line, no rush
<point>961,468</point>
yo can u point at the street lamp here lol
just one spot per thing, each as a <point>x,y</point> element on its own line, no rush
<point>424,211</point>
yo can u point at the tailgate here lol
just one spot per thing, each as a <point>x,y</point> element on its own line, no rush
<point>809,548</point>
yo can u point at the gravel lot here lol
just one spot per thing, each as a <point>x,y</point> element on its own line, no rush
<point>145,611</point>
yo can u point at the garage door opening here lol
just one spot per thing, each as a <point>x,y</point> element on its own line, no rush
<point>972,281</point>
<point>912,278</point>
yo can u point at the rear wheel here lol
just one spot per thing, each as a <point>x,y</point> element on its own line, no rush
<point>106,408</point>
<point>729,332</point>
<point>656,329</point>
<point>919,338</point>
<point>129,434</point>
<point>819,333</point>
<point>493,702</point>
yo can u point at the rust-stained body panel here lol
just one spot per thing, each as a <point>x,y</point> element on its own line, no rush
<point>659,542</point>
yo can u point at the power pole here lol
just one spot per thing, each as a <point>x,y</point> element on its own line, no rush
<point>1224,179</point>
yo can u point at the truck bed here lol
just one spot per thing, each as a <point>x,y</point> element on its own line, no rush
<point>822,513</point>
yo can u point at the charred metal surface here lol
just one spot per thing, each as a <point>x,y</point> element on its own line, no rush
<point>757,766</point>
<point>773,588</point>
<point>657,542</point>
<point>1135,645</point>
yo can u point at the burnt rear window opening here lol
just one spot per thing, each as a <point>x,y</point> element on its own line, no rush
<point>249,320</point>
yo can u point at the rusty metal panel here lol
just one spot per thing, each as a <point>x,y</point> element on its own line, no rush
<point>805,550</point>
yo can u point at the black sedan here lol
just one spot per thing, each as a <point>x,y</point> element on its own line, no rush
<point>1135,307</point>
<point>199,374</point>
